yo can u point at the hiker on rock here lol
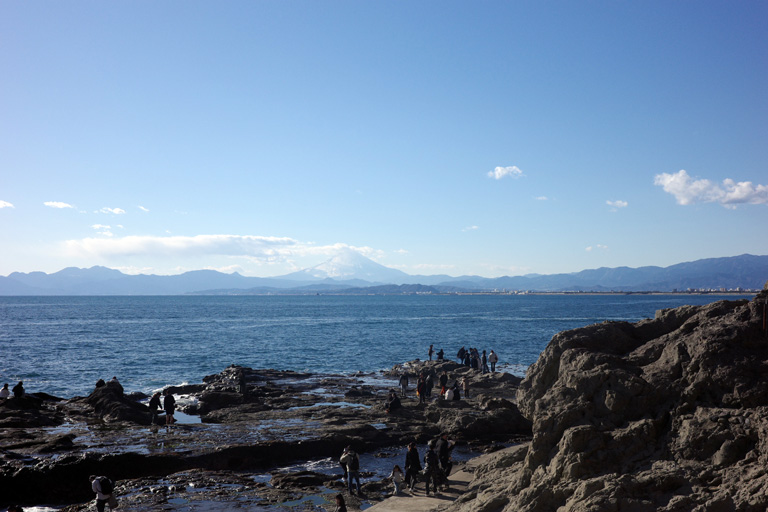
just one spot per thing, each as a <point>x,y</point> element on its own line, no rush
<point>104,489</point>
<point>352,461</point>
<point>412,466</point>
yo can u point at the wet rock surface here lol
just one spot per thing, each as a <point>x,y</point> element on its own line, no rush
<point>667,414</point>
<point>259,438</point>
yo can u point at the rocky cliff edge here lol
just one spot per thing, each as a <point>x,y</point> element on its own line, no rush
<point>667,414</point>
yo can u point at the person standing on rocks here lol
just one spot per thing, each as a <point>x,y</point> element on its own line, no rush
<point>443,447</point>
<point>493,359</point>
<point>154,407</point>
<point>429,383</point>
<point>352,461</point>
<point>412,465</point>
<point>18,390</point>
<point>465,386</point>
<point>169,404</point>
<point>421,389</point>
<point>242,384</point>
<point>443,382</point>
<point>431,351</point>
<point>431,466</point>
<point>403,384</point>
<point>5,392</point>
<point>460,354</point>
<point>484,361</point>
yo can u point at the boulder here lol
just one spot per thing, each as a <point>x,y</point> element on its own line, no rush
<point>668,414</point>
<point>111,405</point>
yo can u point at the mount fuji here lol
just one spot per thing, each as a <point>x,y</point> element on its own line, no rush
<point>349,265</point>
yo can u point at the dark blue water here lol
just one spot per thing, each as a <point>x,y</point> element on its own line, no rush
<point>62,345</point>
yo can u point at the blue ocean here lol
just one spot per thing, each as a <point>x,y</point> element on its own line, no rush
<point>63,345</point>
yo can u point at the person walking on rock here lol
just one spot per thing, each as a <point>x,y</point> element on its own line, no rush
<point>431,467</point>
<point>397,478</point>
<point>103,487</point>
<point>352,461</point>
<point>421,389</point>
<point>154,408</point>
<point>412,466</point>
<point>493,358</point>
<point>403,384</point>
<point>169,404</point>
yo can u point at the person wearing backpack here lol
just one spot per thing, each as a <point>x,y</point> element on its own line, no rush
<point>352,461</point>
<point>104,489</point>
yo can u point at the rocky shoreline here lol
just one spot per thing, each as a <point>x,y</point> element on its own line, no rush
<point>667,414</point>
<point>257,448</point>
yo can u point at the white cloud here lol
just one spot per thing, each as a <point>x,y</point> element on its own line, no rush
<point>6,204</point>
<point>57,204</point>
<point>689,191</point>
<point>598,246</point>
<point>471,228</point>
<point>542,198</point>
<point>143,209</point>
<point>255,249</point>
<point>100,226</point>
<point>500,172</point>
<point>615,205</point>
<point>115,211</point>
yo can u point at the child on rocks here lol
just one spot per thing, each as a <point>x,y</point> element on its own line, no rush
<point>397,478</point>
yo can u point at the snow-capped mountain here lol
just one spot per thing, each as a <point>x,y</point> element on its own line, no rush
<point>350,265</point>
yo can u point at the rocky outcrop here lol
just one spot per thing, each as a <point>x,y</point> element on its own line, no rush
<point>667,414</point>
<point>252,420</point>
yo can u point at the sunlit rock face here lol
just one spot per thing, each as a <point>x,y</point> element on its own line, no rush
<point>665,414</point>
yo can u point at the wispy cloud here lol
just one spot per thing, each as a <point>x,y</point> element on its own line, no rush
<point>729,194</point>
<point>471,228</point>
<point>501,172</point>
<point>615,205</point>
<point>114,211</point>
<point>6,204</point>
<point>57,204</point>
<point>542,198</point>
<point>598,246</point>
<point>143,209</point>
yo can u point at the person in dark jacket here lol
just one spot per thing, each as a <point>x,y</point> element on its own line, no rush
<point>169,404</point>
<point>18,390</point>
<point>412,466</point>
<point>431,467</point>
<point>443,447</point>
<point>154,407</point>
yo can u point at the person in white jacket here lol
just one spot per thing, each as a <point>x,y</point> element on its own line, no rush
<point>493,359</point>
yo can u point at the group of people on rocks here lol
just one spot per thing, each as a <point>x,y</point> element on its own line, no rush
<point>18,391</point>
<point>440,355</point>
<point>425,386</point>
<point>433,468</point>
<point>471,357</point>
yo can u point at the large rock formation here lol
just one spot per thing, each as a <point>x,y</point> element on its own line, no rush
<point>667,414</point>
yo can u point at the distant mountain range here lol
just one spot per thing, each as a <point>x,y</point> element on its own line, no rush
<point>352,273</point>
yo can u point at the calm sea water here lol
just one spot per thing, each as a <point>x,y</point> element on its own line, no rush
<point>62,345</point>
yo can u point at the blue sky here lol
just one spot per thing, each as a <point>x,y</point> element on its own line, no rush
<point>489,138</point>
